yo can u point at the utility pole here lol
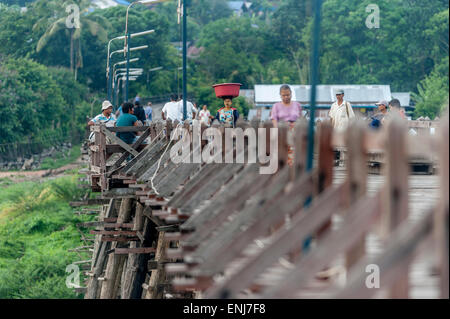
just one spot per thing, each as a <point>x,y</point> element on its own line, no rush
<point>185,4</point>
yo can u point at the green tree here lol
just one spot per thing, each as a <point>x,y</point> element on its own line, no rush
<point>87,23</point>
<point>433,95</point>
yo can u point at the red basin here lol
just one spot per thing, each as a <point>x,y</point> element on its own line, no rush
<point>227,89</point>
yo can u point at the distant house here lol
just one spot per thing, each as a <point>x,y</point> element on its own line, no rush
<point>404,98</point>
<point>239,7</point>
<point>405,101</point>
<point>362,97</point>
<point>103,4</point>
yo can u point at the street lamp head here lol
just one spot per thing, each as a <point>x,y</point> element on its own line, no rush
<point>150,1</point>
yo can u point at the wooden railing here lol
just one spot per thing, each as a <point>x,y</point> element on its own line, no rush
<point>174,228</point>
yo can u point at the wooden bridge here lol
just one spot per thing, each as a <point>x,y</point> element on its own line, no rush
<point>223,230</point>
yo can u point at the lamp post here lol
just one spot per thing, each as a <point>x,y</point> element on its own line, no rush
<point>314,80</point>
<point>108,65</point>
<point>127,50</point>
<point>185,4</point>
<point>128,36</point>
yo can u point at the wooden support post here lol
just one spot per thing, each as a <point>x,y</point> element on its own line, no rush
<point>132,267</point>
<point>99,257</point>
<point>357,181</point>
<point>157,276</point>
<point>325,167</point>
<point>115,262</point>
<point>442,214</point>
<point>169,127</point>
<point>300,147</point>
<point>397,192</point>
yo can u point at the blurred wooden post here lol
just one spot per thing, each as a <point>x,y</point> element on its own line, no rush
<point>357,181</point>
<point>169,128</point>
<point>157,275</point>
<point>114,267</point>
<point>397,192</point>
<point>442,213</point>
<point>300,146</point>
<point>325,167</point>
<point>132,266</point>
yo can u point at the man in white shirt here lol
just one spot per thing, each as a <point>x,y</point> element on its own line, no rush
<point>191,110</point>
<point>171,110</point>
<point>341,112</point>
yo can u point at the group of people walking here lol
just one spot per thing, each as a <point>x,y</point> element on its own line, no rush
<point>340,114</point>
<point>287,110</point>
<point>173,110</point>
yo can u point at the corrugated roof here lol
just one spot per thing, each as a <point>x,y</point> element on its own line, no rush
<point>403,97</point>
<point>235,5</point>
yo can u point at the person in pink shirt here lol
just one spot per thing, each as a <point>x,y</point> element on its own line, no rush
<point>287,110</point>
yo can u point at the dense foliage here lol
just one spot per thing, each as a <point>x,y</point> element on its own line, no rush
<point>37,228</point>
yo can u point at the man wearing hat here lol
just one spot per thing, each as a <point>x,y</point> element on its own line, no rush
<point>378,119</point>
<point>340,112</point>
<point>106,117</point>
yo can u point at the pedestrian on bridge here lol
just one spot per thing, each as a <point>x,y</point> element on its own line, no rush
<point>148,112</point>
<point>127,119</point>
<point>287,111</point>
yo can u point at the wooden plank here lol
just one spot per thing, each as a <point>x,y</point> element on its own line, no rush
<point>148,213</point>
<point>242,187</point>
<point>138,250</point>
<point>358,220</point>
<point>168,186</point>
<point>118,225</point>
<point>117,140</point>
<point>119,192</point>
<point>210,187</point>
<point>193,184</point>
<point>357,185</point>
<point>90,202</point>
<point>113,232</point>
<point>392,262</point>
<point>286,239</point>
<point>231,201</point>
<point>397,190</point>
<point>242,221</point>
<point>149,155</point>
<point>135,146</point>
<point>268,215</point>
<point>128,128</point>
<point>113,148</point>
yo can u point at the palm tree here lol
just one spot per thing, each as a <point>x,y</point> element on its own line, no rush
<point>57,23</point>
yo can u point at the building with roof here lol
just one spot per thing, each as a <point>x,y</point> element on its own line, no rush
<point>239,7</point>
<point>103,4</point>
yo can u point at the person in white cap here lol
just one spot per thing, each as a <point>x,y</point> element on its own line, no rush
<point>106,117</point>
<point>377,120</point>
<point>341,112</point>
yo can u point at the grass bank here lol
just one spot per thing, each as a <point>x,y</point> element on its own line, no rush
<point>37,227</point>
